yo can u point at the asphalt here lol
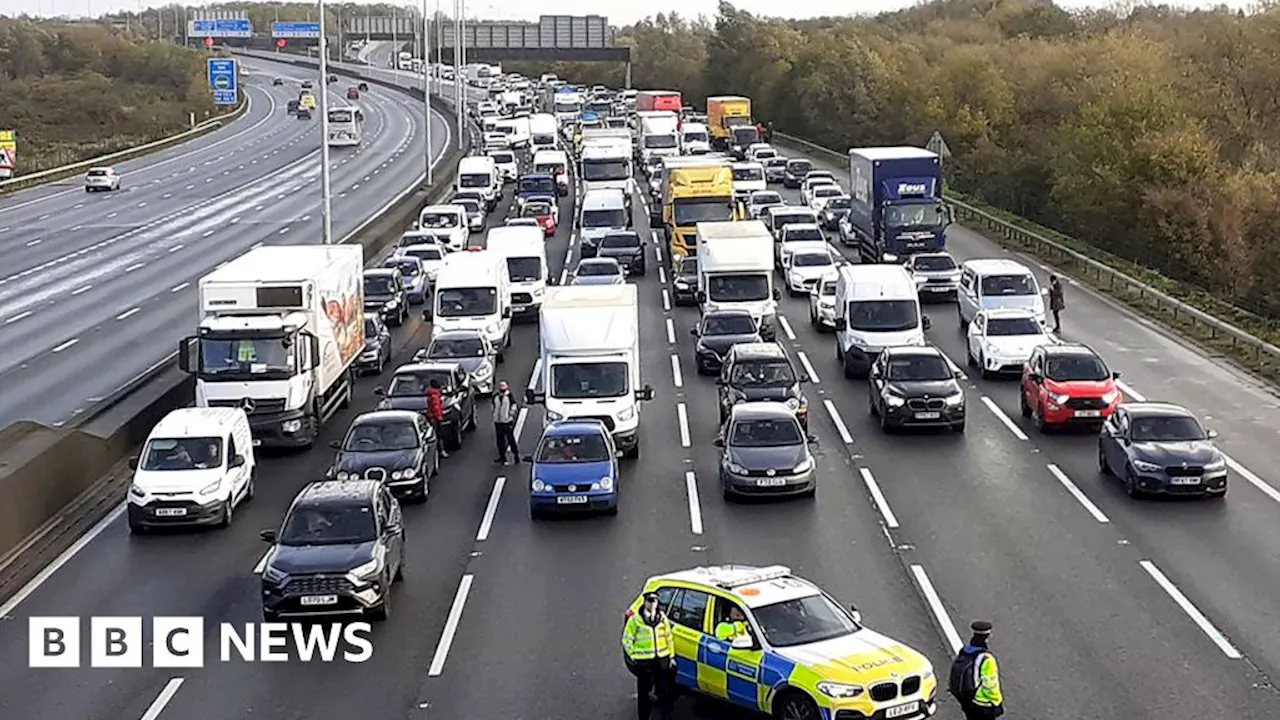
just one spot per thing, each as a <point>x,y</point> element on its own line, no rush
<point>98,287</point>
<point>980,520</point>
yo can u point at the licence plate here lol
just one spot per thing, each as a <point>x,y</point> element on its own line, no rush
<point>1088,413</point>
<point>928,415</point>
<point>571,500</point>
<point>170,512</point>
<point>1184,481</point>
<point>901,710</point>
<point>771,482</point>
<point>313,600</point>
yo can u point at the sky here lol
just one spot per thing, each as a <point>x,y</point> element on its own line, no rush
<point>620,12</point>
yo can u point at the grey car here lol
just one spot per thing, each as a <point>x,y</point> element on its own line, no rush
<point>598,271</point>
<point>765,452</point>
<point>1160,448</point>
<point>470,350</point>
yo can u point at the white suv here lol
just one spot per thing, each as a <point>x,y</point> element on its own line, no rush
<point>101,178</point>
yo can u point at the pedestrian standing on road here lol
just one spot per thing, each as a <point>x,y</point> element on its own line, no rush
<point>435,411</point>
<point>647,642</point>
<point>1057,303</point>
<point>504,423</point>
<point>975,680</point>
<point>768,132</point>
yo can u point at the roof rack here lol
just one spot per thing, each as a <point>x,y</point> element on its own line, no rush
<point>737,578</point>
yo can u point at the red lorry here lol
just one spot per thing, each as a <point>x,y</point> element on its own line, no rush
<point>660,100</point>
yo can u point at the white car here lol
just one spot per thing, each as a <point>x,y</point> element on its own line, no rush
<point>507,164</point>
<point>101,178</point>
<point>822,304</point>
<point>804,264</point>
<point>794,233</point>
<point>937,275</point>
<point>748,177</point>
<point>522,221</point>
<point>1000,341</point>
<point>430,255</point>
<point>811,183</point>
<point>759,152</point>
<point>821,194</point>
<point>761,199</point>
<point>598,271</point>
<point>496,141</point>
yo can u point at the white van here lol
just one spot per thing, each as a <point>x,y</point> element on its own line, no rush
<point>480,172</point>
<point>542,132</point>
<point>996,284</point>
<point>877,307</point>
<point>747,178</point>
<point>556,164</point>
<point>471,293</point>
<point>601,212</point>
<point>448,221</point>
<point>525,250</point>
<point>195,469</point>
<point>694,139</point>
<point>516,130</point>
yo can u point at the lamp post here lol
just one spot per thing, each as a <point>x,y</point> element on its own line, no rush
<point>426,89</point>
<point>459,59</point>
<point>326,199</point>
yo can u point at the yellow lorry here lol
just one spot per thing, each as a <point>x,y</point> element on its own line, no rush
<point>729,123</point>
<point>694,189</point>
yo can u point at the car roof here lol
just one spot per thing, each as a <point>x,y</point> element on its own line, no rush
<point>721,312</point>
<point>761,410</point>
<point>996,266</point>
<point>752,586</point>
<point>914,351</point>
<point>792,227</point>
<point>460,334</point>
<point>380,272</point>
<point>196,422</point>
<point>575,426</point>
<point>1070,349</point>
<point>374,416</point>
<point>1156,409</point>
<point>1002,313</point>
<point>324,491</point>
<point>597,261</point>
<point>766,350</point>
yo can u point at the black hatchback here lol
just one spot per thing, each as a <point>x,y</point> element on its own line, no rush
<point>717,332</point>
<point>625,247</point>
<point>796,172</point>
<point>755,372</point>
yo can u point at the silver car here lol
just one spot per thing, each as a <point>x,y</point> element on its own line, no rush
<point>765,452</point>
<point>470,350</point>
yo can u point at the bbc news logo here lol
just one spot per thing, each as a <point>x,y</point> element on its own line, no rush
<point>179,642</point>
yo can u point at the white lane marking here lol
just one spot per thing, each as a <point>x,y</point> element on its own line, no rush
<point>1008,422</point>
<point>520,418</point>
<point>882,505</point>
<point>1078,494</point>
<point>568,256</point>
<point>189,187</point>
<point>786,328</point>
<point>135,266</point>
<point>808,367</point>
<point>66,345</point>
<point>43,576</point>
<point>666,300</point>
<point>207,233</point>
<point>176,248</point>
<point>839,421</point>
<point>1129,392</point>
<point>695,507</point>
<point>486,523</point>
<point>19,316</point>
<point>158,705</point>
<point>1192,611</point>
<point>262,563</point>
<point>128,313</point>
<point>450,626</point>
<point>662,276</point>
<point>83,289</point>
<point>179,287</point>
<point>682,416</point>
<point>671,332</point>
<point>533,376</point>
<point>676,376</point>
<point>43,217</point>
<point>935,606</point>
<point>564,275</point>
<point>77,227</point>
<point>35,242</point>
<point>166,196</point>
<point>112,214</point>
<point>142,204</point>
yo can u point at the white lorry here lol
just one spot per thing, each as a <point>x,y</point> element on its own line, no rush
<point>590,361</point>
<point>606,161</point>
<point>659,134</point>
<point>472,293</point>
<point>280,328</point>
<point>735,271</point>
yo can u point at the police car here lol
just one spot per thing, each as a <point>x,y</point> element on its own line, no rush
<point>805,657</point>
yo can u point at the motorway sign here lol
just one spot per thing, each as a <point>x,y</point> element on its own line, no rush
<point>295,29</point>
<point>220,28</point>
<point>223,81</point>
<point>938,146</point>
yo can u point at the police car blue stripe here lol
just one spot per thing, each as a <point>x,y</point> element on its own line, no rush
<point>686,672</point>
<point>742,691</point>
<point>774,670</point>
<point>713,653</point>
<point>746,671</point>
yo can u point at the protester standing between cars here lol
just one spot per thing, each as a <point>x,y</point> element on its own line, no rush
<point>435,410</point>
<point>647,642</point>
<point>1057,303</point>
<point>768,132</point>
<point>504,423</point>
<point>975,680</point>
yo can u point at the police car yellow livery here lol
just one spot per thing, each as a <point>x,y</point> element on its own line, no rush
<point>804,656</point>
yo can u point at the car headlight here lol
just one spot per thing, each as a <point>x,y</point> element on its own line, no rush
<point>1059,398</point>
<point>805,466</point>
<point>793,404</point>
<point>626,414</point>
<point>956,399</point>
<point>538,485</point>
<point>1110,396</point>
<point>840,690</point>
<point>827,303</point>
<point>894,400</point>
<point>212,487</point>
<point>346,476</point>
<point>367,570</point>
<point>272,574</point>
<point>606,483</point>
<point>1144,466</point>
<point>406,474</point>
<point>991,349</point>
<point>393,303</point>
<point>491,328</point>
<point>682,285</point>
<point>136,491</point>
<point>552,416</point>
<point>735,468</point>
<point>1216,465</point>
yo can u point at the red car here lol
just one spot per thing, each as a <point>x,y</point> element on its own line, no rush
<point>544,212</point>
<point>1068,385</point>
<point>353,94</point>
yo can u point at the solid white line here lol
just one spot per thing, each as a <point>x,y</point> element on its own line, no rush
<point>1129,392</point>
<point>158,705</point>
<point>808,367</point>
<point>935,605</point>
<point>683,416</point>
<point>43,576</point>
<point>1192,611</point>
<point>66,345</point>
<point>671,332</point>
<point>564,275</point>
<point>262,563</point>
<point>695,508</point>
<point>786,328</point>
<point>533,376</point>
<point>881,504</point>
<point>520,418</point>
<point>450,627</point>
<point>666,300</point>
<point>179,287</point>
<point>27,314</point>
<point>486,523</point>
<point>79,290</point>
<point>839,421</point>
<point>128,313</point>
<point>1078,494</point>
<point>1008,422</point>
<point>676,376</point>
<point>662,276</point>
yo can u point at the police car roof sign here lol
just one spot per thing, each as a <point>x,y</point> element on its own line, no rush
<point>732,577</point>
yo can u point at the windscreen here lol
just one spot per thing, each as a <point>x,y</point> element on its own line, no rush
<point>605,169</point>
<point>198,453</point>
<point>467,302</point>
<point>503,158</point>
<point>883,315</point>
<point>573,449</point>
<point>549,168</point>
<point>1168,428</point>
<point>415,384</point>
<point>1076,368</point>
<point>695,137</point>
<point>691,211</point>
<point>1013,326</point>
<point>379,285</point>
<point>524,269</point>
<point>579,381</point>
<point>615,218</point>
<point>245,356</point>
<point>918,368</point>
<point>329,525</point>
<point>426,254</point>
<point>803,234</point>
<point>766,432</point>
<point>729,324</point>
<point>738,288</point>
<point>537,186</point>
<point>934,263</point>
<point>445,220</point>
<point>659,142</point>
<point>382,436</point>
<point>811,259</point>
<point>1008,285</point>
<point>802,621</point>
<point>474,180</point>
<point>589,269</point>
<point>799,167</point>
<point>914,216</point>
<point>763,373</point>
<point>749,174</point>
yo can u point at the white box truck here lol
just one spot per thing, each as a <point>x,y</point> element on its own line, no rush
<point>735,270</point>
<point>590,361</point>
<point>280,328</point>
<point>605,161</point>
<point>659,134</point>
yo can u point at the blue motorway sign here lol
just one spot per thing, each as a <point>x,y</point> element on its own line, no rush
<point>221,28</point>
<point>295,29</point>
<point>223,80</point>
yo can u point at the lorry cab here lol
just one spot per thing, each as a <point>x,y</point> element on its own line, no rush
<point>451,221</point>
<point>575,468</point>
<point>195,468</point>
<point>524,251</point>
<point>694,139</point>
<point>480,172</point>
<point>602,211</point>
<point>472,293</point>
<point>876,307</point>
<point>694,190</point>
<point>896,208</point>
<point>998,284</point>
<point>556,164</point>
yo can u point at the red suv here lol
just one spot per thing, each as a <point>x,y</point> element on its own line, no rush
<point>1068,385</point>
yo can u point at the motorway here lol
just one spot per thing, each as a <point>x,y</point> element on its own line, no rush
<point>1105,608</point>
<point>98,287</point>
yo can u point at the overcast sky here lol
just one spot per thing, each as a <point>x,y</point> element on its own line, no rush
<point>620,12</point>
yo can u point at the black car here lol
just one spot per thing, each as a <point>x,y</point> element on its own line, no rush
<point>333,79</point>
<point>408,391</point>
<point>1159,448</point>
<point>765,452</point>
<point>834,211</point>
<point>363,86</point>
<point>915,386</point>
<point>625,247</point>
<point>685,283</point>
<point>306,85</point>
<point>338,551</point>
<point>377,346</point>
<point>797,170</point>
<point>761,371</point>
<point>717,332</point>
<point>470,350</point>
<point>303,113</point>
<point>277,81</point>
<point>385,295</point>
<point>291,107</point>
<point>396,447</point>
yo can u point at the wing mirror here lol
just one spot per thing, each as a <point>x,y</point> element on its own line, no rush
<point>856,613</point>
<point>811,439</point>
<point>335,444</point>
<point>426,315</point>
<point>268,536</point>
<point>719,442</point>
<point>133,463</point>
<point>1115,375</point>
<point>874,373</point>
<point>646,393</point>
<point>506,313</point>
<point>841,324</point>
<point>527,458</point>
<point>693,332</point>
<point>1212,434</point>
<point>701,296</point>
<point>379,391</point>
<point>926,322</point>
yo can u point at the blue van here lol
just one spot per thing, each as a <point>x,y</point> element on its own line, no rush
<point>575,469</point>
<point>533,186</point>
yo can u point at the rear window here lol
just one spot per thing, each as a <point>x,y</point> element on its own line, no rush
<point>621,241</point>
<point>1008,285</point>
<point>97,173</point>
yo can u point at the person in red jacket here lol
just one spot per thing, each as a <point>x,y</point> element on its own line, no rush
<point>435,411</point>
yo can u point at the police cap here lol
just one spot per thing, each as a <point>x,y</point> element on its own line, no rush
<point>980,627</point>
<point>651,597</point>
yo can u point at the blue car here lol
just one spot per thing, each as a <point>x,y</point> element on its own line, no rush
<point>416,282</point>
<point>575,469</point>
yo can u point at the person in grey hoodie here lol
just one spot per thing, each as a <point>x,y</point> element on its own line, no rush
<point>505,408</point>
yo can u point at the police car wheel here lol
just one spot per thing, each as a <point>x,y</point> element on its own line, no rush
<point>795,706</point>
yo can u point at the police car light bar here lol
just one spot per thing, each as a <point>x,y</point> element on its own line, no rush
<point>738,579</point>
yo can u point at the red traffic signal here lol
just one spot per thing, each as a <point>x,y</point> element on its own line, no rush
<point>208,42</point>
<point>281,43</point>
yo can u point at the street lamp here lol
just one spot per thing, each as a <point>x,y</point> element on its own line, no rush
<point>326,199</point>
<point>426,88</point>
<point>459,59</point>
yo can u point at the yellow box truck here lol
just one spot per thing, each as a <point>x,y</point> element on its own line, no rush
<point>730,124</point>
<point>694,189</point>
